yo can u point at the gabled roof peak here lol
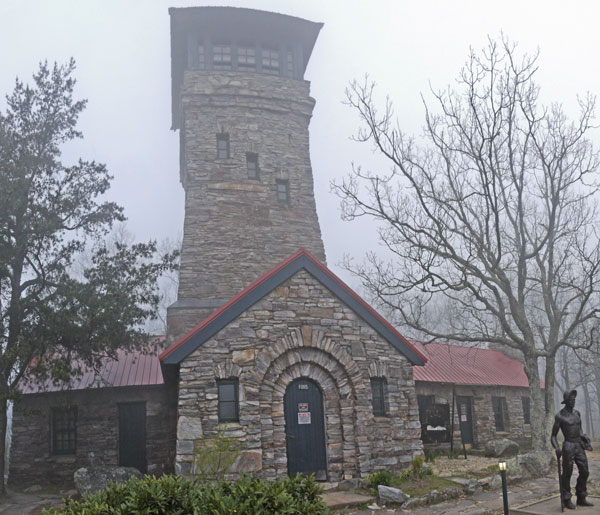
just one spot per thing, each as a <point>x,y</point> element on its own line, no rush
<point>300,260</point>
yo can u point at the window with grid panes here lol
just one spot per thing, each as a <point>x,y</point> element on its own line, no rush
<point>270,61</point>
<point>283,193</point>
<point>246,57</point>
<point>526,401</point>
<point>252,165</point>
<point>64,430</point>
<point>223,145</point>
<point>222,57</point>
<point>499,407</point>
<point>290,63</point>
<point>201,57</point>
<point>378,392</point>
<point>228,400</point>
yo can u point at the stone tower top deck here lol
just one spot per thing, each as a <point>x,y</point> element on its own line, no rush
<point>242,108</point>
<point>196,31</point>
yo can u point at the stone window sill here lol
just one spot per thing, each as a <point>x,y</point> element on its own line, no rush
<point>382,418</point>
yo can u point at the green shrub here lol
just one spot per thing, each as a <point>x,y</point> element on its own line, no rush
<point>214,456</point>
<point>416,466</point>
<point>430,455</point>
<point>381,477</point>
<point>176,495</point>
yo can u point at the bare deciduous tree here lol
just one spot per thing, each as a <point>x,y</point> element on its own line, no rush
<point>494,209</point>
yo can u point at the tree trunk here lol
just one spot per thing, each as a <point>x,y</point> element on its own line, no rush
<point>3,422</point>
<point>597,378</point>
<point>538,422</point>
<point>588,408</point>
<point>549,407</point>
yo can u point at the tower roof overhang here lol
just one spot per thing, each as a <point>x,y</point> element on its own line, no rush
<point>232,23</point>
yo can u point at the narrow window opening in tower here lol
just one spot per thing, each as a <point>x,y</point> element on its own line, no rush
<point>290,63</point>
<point>283,190</point>
<point>270,61</point>
<point>222,57</point>
<point>252,165</point>
<point>378,388</point>
<point>201,58</point>
<point>246,58</point>
<point>228,399</point>
<point>223,145</point>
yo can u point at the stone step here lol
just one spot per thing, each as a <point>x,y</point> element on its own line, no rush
<point>339,500</point>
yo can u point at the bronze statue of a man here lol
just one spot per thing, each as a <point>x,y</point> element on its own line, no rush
<point>568,420</point>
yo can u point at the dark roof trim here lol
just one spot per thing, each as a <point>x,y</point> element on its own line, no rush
<point>267,283</point>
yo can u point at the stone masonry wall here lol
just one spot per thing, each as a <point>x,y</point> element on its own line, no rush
<point>301,330</point>
<point>235,229</point>
<point>31,459</point>
<point>484,426</point>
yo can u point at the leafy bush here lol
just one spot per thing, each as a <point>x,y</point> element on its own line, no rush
<point>176,495</point>
<point>381,477</point>
<point>417,466</point>
<point>214,455</point>
<point>430,455</point>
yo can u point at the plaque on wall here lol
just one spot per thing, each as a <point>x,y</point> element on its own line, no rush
<point>303,406</point>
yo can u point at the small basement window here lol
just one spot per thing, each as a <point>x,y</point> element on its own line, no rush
<point>228,400</point>
<point>378,388</point>
<point>223,145</point>
<point>283,191</point>
<point>252,165</point>
<point>526,401</point>
<point>500,413</point>
<point>64,430</point>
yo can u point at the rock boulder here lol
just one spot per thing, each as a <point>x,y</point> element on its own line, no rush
<point>529,465</point>
<point>390,494</point>
<point>501,447</point>
<point>93,479</point>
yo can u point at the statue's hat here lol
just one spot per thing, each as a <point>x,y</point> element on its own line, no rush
<point>568,394</point>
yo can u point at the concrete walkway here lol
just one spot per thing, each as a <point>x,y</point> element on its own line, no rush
<point>29,502</point>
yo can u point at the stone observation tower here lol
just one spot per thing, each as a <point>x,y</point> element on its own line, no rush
<point>242,108</point>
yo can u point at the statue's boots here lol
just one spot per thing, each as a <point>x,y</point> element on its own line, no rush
<point>569,505</point>
<point>582,501</point>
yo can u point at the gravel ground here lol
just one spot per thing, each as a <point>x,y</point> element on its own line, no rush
<point>445,467</point>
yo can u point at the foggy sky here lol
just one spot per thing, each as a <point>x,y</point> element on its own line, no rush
<point>123,68</point>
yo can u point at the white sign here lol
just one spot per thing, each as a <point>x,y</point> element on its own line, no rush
<point>463,418</point>
<point>304,417</point>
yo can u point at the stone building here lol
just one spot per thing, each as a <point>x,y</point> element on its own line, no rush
<point>265,342</point>
<point>471,394</point>
<point>304,373</point>
<point>121,414</point>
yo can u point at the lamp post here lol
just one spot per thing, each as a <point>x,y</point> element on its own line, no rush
<point>502,467</point>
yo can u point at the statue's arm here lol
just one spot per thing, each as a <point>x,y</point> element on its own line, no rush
<point>553,438</point>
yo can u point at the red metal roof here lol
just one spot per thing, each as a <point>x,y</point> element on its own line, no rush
<point>468,365</point>
<point>131,368</point>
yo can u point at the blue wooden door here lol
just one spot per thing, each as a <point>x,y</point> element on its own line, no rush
<point>305,429</point>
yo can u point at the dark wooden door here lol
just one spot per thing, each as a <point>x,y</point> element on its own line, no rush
<point>465,417</point>
<point>132,435</point>
<point>305,429</point>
